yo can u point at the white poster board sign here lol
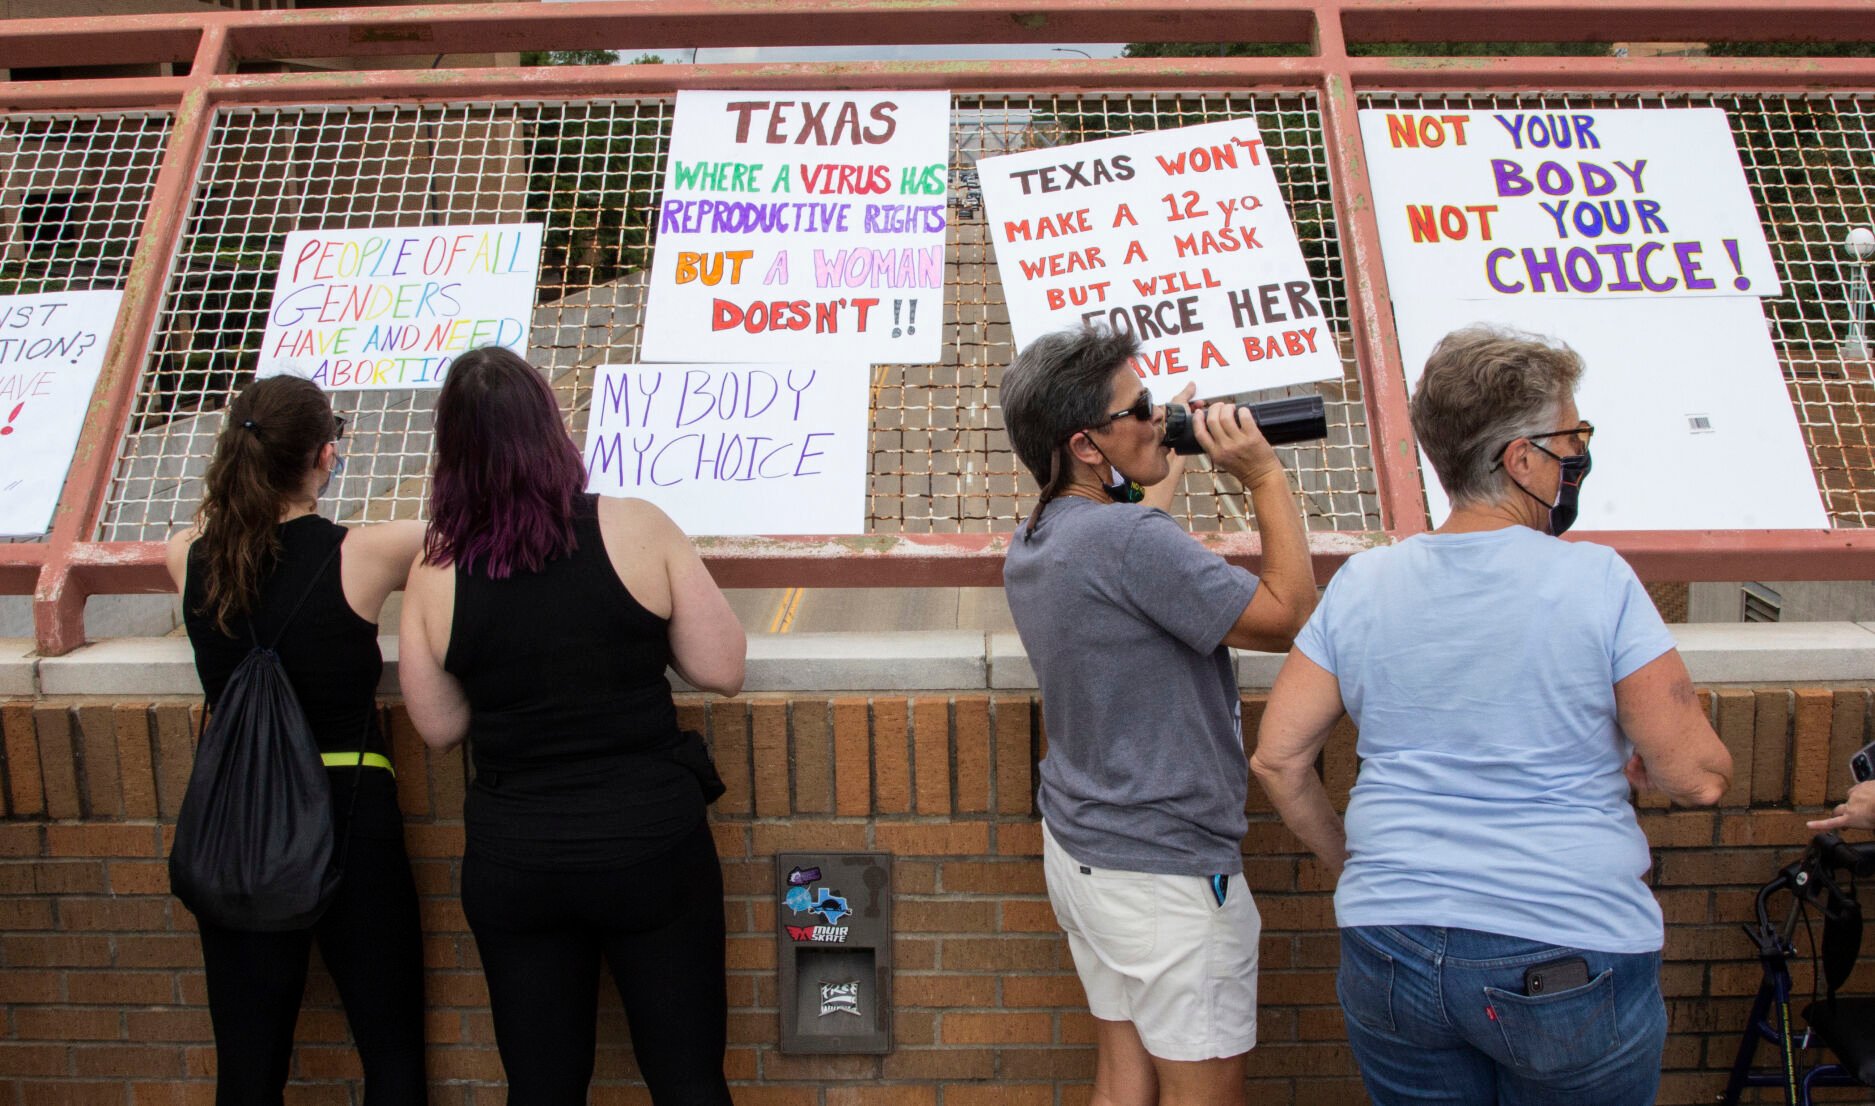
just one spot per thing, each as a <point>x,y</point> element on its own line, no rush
<point>1179,237</point>
<point>1636,203</point>
<point>391,307</point>
<point>51,349</point>
<point>1693,424</point>
<point>734,449</point>
<point>802,226</point>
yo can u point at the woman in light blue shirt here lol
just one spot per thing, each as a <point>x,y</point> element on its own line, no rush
<point>1499,942</point>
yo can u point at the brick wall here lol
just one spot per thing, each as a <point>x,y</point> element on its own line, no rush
<point>101,981</point>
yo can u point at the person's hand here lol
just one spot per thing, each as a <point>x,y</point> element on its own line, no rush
<point>1232,440</point>
<point>1636,772</point>
<point>1856,813</point>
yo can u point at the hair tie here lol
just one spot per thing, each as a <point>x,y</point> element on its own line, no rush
<point>249,424</point>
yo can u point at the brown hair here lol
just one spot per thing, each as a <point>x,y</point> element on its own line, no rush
<point>270,439</point>
<point>1483,388</point>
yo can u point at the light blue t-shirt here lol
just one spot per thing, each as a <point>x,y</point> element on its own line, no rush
<point>1480,669</point>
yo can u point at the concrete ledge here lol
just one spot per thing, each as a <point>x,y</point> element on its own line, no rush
<point>123,666</point>
<point>951,660</point>
<point>943,660</point>
<point>1750,653</point>
<point>1010,669</point>
<point>1257,671</point>
<point>17,674</point>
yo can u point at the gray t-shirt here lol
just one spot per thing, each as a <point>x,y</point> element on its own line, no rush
<point>1124,616</point>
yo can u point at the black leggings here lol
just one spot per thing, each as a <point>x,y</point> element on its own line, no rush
<point>657,923</point>
<point>370,942</point>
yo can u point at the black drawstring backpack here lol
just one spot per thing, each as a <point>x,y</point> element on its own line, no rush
<point>254,845</point>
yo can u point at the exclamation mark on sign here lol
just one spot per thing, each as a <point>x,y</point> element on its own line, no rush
<point>1741,282</point>
<point>11,415</point>
<point>911,318</point>
<point>897,306</point>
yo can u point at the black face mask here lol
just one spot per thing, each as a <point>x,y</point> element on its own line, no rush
<point>1562,513</point>
<point>1125,491</point>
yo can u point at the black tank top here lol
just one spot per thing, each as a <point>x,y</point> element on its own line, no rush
<point>571,722</point>
<point>330,655</point>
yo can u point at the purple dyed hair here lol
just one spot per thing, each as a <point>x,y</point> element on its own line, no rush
<point>507,474</point>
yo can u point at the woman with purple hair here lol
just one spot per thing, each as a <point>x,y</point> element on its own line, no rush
<point>538,624</point>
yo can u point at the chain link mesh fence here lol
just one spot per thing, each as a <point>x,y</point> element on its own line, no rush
<point>73,192</point>
<point>1810,162</point>
<point>591,172</point>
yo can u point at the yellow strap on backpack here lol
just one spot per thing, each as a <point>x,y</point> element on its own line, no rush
<point>352,760</point>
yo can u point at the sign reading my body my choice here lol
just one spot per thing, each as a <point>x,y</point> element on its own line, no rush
<point>392,307</point>
<point>1490,204</point>
<point>734,449</point>
<point>802,226</point>
<point>1178,237</point>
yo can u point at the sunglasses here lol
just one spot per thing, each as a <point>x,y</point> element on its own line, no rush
<point>338,428</point>
<point>1141,410</point>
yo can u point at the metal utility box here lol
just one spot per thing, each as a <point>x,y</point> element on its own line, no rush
<point>833,936</point>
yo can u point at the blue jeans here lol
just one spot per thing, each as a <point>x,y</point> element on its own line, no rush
<point>1440,1015</point>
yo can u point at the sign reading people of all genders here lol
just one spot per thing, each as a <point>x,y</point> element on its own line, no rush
<point>802,226</point>
<point>1178,237</point>
<point>51,350</point>
<point>1639,203</point>
<point>392,307</point>
<point>734,449</point>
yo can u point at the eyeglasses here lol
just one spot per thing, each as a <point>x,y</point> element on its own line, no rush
<point>1141,410</point>
<point>338,428</point>
<point>1582,432</point>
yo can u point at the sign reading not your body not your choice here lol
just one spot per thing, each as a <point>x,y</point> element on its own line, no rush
<point>51,350</point>
<point>802,226</point>
<point>1629,234</point>
<point>391,307</point>
<point>1179,237</point>
<point>1526,205</point>
<point>734,449</point>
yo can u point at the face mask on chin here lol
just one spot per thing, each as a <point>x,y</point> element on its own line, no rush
<point>1122,490</point>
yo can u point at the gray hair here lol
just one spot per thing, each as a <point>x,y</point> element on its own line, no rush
<point>1483,388</point>
<point>1055,387</point>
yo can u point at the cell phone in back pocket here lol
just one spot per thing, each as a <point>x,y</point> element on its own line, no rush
<point>1862,764</point>
<point>1555,975</point>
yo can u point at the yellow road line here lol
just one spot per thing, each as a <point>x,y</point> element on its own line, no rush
<point>784,614</point>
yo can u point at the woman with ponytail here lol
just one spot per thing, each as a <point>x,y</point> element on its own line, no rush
<point>256,547</point>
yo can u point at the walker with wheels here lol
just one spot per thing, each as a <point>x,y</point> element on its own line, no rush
<point>1843,1029</point>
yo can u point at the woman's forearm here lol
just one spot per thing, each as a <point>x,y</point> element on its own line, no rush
<point>1299,797</point>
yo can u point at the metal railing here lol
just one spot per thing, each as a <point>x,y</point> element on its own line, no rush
<point>181,189</point>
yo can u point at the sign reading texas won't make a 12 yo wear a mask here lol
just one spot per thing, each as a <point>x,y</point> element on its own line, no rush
<point>1180,238</point>
<point>1630,203</point>
<point>391,307</point>
<point>802,226</point>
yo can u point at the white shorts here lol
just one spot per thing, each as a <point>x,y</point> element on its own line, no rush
<point>1158,951</point>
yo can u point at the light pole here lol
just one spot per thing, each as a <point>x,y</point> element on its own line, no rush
<point>1071,50</point>
<point>1859,244</point>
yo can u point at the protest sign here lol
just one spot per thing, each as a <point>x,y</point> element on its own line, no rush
<point>802,226</point>
<point>51,349</point>
<point>1643,203</point>
<point>1693,423</point>
<point>734,449</point>
<point>392,307</point>
<point>1178,237</point>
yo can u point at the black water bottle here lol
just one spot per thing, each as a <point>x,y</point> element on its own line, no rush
<point>1282,421</point>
